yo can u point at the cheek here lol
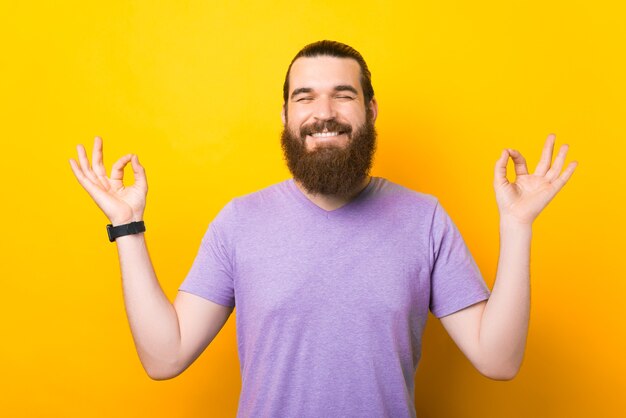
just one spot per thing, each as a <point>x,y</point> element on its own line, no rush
<point>294,119</point>
<point>293,128</point>
<point>296,114</point>
<point>359,114</point>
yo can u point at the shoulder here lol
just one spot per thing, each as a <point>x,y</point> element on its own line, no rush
<point>270,195</point>
<point>249,206</point>
<point>404,197</point>
<point>241,211</point>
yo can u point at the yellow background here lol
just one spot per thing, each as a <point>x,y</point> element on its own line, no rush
<point>194,88</point>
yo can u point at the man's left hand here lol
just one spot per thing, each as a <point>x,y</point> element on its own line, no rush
<point>523,200</point>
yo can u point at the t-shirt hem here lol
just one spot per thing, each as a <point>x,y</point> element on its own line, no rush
<point>213,298</point>
<point>464,303</point>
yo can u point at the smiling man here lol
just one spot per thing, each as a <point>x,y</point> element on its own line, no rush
<point>333,272</point>
<point>329,138</point>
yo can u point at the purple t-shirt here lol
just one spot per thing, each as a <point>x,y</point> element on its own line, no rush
<point>331,305</point>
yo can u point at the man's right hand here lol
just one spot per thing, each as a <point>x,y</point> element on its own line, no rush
<point>119,203</point>
<point>168,337</point>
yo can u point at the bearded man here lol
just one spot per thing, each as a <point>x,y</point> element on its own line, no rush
<point>333,272</point>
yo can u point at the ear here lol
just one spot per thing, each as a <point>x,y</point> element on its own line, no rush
<point>283,115</point>
<point>374,107</point>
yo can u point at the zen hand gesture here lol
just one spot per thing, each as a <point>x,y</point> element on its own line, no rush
<point>119,203</point>
<point>523,200</point>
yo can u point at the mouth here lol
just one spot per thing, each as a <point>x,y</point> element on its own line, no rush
<point>320,138</point>
<point>328,131</point>
<point>325,134</point>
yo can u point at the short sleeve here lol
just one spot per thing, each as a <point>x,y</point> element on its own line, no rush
<point>456,281</point>
<point>211,275</point>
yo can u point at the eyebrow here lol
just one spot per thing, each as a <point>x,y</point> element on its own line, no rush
<point>341,87</point>
<point>345,87</point>
<point>300,91</point>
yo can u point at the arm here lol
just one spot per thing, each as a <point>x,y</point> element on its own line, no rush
<point>492,334</point>
<point>168,337</point>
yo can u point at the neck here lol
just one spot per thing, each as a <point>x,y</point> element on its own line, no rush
<point>332,202</point>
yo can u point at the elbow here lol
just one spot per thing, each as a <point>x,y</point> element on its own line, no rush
<point>500,367</point>
<point>162,371</point>
<point>502,373</point>
<point>501,376</point>
<point>161,374</point>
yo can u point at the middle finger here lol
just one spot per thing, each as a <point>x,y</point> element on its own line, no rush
<point>546,156</point>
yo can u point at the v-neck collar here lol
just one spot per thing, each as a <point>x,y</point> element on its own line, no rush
<point>299,195</point>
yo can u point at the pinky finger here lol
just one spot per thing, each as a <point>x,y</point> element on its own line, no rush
<point>565,176</point>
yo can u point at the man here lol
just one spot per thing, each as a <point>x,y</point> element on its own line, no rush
<point>332,272</point>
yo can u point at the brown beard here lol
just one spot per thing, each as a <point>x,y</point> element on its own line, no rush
<point>331,169</point>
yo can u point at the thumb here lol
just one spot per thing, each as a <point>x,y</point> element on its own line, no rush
<point>499,177</point>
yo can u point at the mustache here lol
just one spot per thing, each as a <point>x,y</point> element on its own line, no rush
<point>327,125</point>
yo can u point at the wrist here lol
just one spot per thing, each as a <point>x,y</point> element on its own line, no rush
<point>514,227</point>
<point>508,218</point>
<point>127,220</point>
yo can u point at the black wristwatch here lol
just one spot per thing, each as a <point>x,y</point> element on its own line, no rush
<point>126,229</point>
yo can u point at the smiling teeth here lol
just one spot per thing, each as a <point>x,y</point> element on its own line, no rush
<point>324,134</point>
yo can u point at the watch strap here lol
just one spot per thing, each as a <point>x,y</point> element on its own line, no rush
<point>115,232</point>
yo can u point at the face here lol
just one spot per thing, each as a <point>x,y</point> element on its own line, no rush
<point>329,135</point>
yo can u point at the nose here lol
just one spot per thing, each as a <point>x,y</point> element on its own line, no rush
<point>324,109</point>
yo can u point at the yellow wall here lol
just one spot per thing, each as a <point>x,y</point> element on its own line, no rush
<point>194,87</point>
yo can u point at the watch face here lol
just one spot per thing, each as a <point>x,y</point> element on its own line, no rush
<point>110,232</point>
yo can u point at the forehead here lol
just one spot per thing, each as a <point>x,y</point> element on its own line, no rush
<point>324,72</point>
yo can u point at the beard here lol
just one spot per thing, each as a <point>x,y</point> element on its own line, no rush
<point>330,169</point>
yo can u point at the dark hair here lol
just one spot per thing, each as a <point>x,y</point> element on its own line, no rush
<point>334,49</point>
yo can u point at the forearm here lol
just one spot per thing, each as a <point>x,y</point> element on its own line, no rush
<point>504,324</point>
<point>152,318</point>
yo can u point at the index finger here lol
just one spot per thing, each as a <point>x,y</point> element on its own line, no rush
<point>117,171</point>
<point>519,162</point>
